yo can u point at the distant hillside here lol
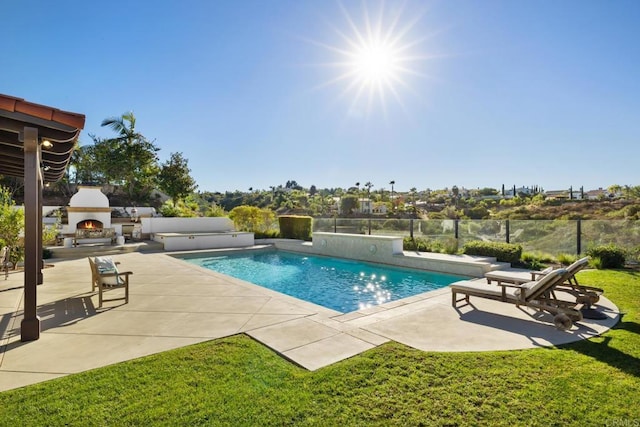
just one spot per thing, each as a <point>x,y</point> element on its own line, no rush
<point>583,209</point>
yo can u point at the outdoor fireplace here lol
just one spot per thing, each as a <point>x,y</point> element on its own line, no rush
<point>89,210</point>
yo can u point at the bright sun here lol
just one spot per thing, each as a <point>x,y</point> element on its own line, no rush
<point>375,63</point>
<point>375,58</point>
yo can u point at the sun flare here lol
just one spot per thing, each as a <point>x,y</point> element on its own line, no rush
<point>375,57</point>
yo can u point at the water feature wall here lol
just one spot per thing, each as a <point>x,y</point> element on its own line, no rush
<point>357,246</point>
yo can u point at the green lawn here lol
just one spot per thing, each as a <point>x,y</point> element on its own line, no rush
<point>237,381</point>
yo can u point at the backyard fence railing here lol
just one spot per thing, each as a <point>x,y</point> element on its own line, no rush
<point>548,236</point>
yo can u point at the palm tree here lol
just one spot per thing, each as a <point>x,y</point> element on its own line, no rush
<point>413,190</point>
<point>126,133</point>
<point>392,183</point>
<point>369,185</point>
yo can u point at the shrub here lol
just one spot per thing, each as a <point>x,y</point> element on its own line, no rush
<point>610,256</point>
<point>535,260</point>
<point>49,235</point>
<point>421,244</point>
<point>503,252</point>
<point>252,218</point>
<point>596,263</point>
<point>269,234</point>
<point>295,227</point>
<point>566,259</point>
<point>450,246</point>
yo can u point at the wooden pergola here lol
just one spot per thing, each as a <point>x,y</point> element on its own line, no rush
<point>36,144</point>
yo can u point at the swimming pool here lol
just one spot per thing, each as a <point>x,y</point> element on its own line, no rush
<point>338,284</point>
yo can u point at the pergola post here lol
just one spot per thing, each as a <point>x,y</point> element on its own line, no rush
<point>30,326</point>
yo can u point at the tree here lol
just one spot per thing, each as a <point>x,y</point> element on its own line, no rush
<point>348,204</point>
<point>293,185</point>
<point>413,191</point>
<point>129,158</point>
<point>486,191</point>
<point>174,178</point>
<point>456,192</point>
<point>11,221</point>
<point>14,186</point>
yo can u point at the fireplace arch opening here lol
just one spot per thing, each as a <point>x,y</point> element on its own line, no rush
<point>89,224</point>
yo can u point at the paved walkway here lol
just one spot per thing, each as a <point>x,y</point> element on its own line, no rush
<point>174,304</point>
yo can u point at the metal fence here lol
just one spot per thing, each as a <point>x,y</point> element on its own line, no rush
<point>548,236</point>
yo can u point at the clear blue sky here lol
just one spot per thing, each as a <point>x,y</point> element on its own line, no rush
<point>484,92</point>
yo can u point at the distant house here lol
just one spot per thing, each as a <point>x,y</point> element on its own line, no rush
<point>557,194</point>
<point>366,205</point>
<point>598,194</point>
<point>380,208</point>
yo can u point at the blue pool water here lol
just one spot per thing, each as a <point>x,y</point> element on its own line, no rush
<point>339,284</point>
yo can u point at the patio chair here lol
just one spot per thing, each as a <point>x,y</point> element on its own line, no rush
<point>5,261</point>
<point>105,276</point>
<point>584,294</point>
<point>536,294</point>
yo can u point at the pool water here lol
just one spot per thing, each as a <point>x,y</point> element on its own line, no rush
<point>338,284</point>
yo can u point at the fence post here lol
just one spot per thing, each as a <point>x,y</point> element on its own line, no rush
<point>369,226</point>
<point>411,228</point>
<point>335,224</point>
<point>579,236</point>
<point>507,230</point>
<point>455,227</point>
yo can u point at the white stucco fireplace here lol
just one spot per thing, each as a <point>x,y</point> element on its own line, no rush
<point>88,209</point>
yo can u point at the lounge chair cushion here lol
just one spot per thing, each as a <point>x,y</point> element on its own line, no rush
<point>531,287</point>
<point>578,265</point>
<point>526,287</point>
<point>481,286</point>
<point>106,265</point>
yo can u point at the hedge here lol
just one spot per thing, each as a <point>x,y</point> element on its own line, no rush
<point>295,227</point>
<point>503,252</point>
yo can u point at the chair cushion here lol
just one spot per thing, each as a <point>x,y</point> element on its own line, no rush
<point>479,286</point>
<point>526,287</point>
<point>106,265</point>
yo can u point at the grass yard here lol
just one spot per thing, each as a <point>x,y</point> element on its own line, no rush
<point>237,381</point>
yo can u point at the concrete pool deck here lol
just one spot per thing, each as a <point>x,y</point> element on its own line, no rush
<point>174,304</point>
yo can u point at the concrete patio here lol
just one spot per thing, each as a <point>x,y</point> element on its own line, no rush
<point>174,304</point>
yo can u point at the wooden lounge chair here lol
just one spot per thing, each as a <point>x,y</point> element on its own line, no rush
<point>584,294</point>
<point>105,276</point>
<point>536,294</point>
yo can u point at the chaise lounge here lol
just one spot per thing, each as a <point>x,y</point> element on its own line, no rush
<point>538,294</point>
<point>584,294</point>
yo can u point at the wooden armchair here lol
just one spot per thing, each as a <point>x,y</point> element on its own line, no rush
<point>105,276</point>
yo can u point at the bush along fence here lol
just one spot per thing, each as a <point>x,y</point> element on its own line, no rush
<point>553,237</point>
